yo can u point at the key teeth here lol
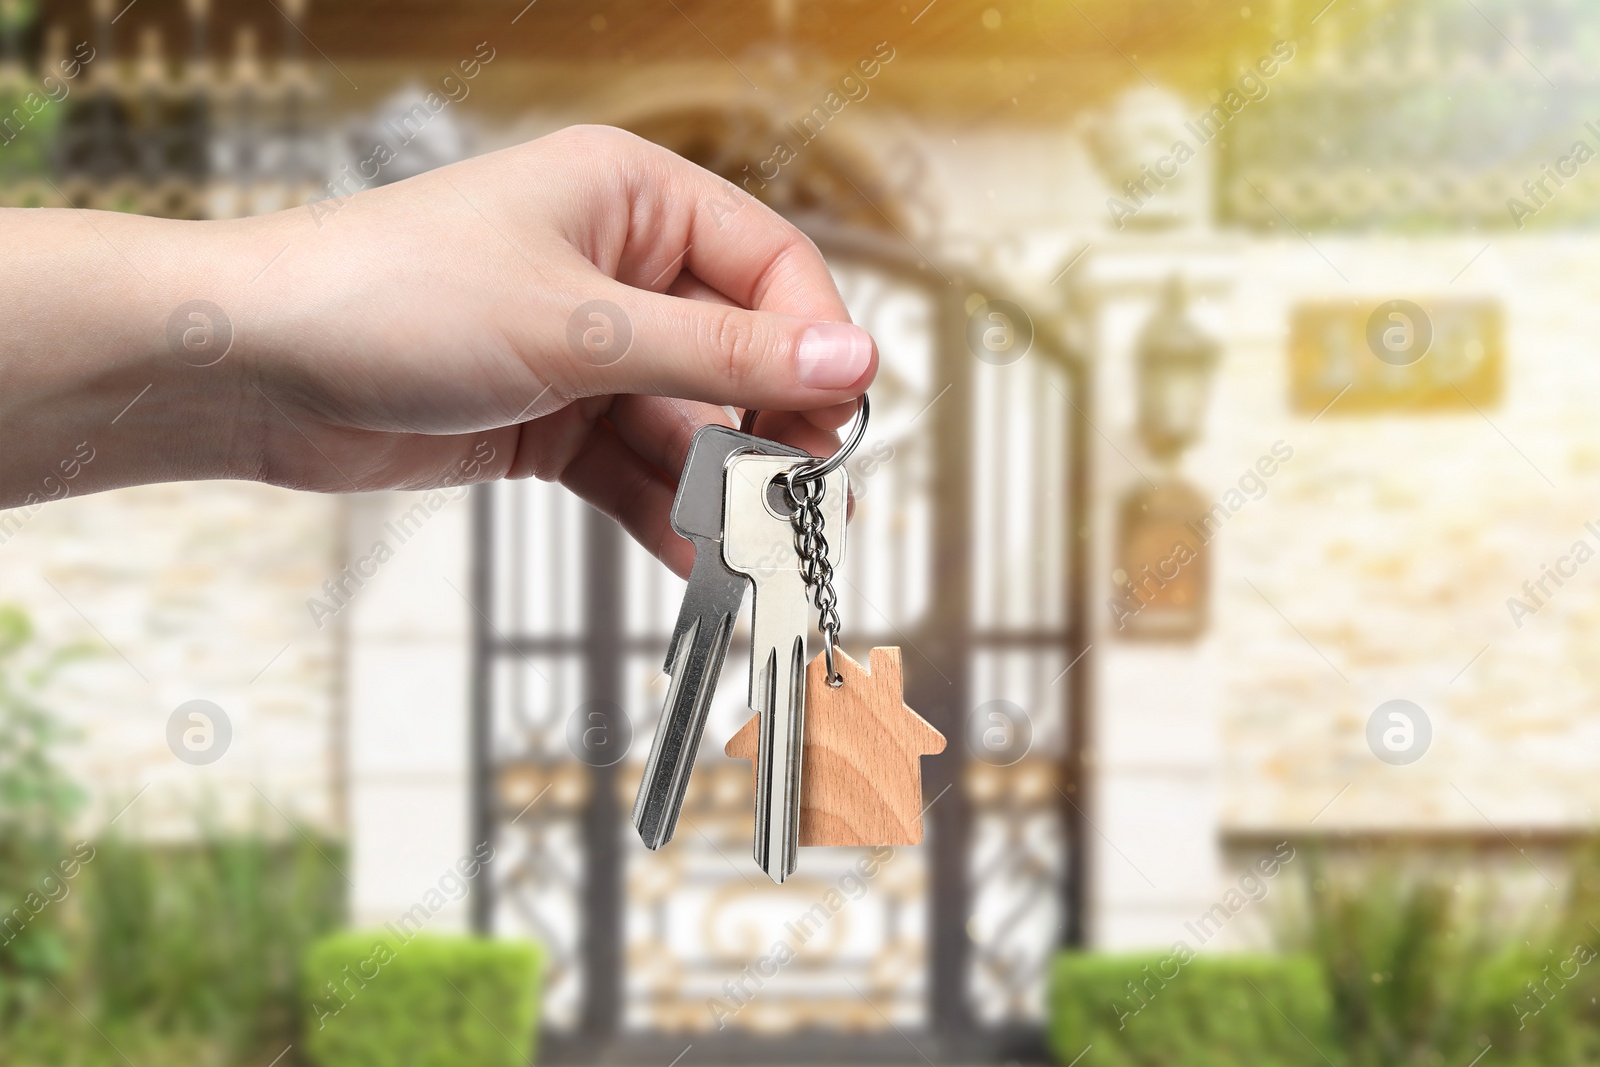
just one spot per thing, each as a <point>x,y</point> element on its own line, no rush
<point>657,823</point>
<point>753,534</point>
<point>651,821</point>
<point>656,808</point>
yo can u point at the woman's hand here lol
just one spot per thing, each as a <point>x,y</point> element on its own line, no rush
<point>572,308</point>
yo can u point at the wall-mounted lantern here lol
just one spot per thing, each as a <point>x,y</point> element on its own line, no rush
<point>1176,363</point>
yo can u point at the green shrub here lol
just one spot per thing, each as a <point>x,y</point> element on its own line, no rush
<point>1422,973</point>
<point>208,938</point>
<point>1212,1011</point>
<point>38,862</point>
<point>189,953</point>
<point>1394,957</point>
<point>175,953</point>
<point>57,1036</point>
<point>374,1000</point>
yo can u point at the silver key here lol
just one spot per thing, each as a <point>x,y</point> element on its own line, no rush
<point>704,629</point>
<point>759,540</point>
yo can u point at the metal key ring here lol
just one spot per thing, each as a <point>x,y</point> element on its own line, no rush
<point>816,471</point>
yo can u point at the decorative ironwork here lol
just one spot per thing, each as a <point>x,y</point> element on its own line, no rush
<point>190,137</point>
<point>1424,114</point>
<point>962,551</point>
<point>966,549</point>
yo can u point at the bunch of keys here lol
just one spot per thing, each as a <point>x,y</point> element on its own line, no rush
<point>763,514</point>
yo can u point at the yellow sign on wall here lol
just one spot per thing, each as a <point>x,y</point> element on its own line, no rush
<point>1395,355</point>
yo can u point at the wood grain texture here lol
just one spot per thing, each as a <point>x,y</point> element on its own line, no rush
<point>861,777</point>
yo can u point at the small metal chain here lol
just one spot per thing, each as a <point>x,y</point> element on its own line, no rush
<point>805,496</point>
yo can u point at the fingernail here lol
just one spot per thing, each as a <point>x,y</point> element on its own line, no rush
<point>833,355</point>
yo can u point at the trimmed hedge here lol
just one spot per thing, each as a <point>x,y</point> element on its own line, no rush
<point>1210,1011</point>
<point>375,1000</point>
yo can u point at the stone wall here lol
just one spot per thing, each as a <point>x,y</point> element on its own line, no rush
<point>1393,542</point>
<point>1376,565</point>
<point>187,592</point>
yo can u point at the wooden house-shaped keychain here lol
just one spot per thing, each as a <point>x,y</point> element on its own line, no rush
<point>862,778</point>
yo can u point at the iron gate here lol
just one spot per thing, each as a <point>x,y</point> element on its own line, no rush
<point>967,549</point>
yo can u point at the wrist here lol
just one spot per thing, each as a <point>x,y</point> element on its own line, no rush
<point>117,366</point>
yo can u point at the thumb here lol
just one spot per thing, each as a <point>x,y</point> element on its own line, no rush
<point>652,343</point>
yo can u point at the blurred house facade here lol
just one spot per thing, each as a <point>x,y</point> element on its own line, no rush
<point>1099,789</point>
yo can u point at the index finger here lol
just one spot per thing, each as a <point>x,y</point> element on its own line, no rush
<point>739,246</point>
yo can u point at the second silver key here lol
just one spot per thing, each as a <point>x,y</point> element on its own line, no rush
<point>758,540</point>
